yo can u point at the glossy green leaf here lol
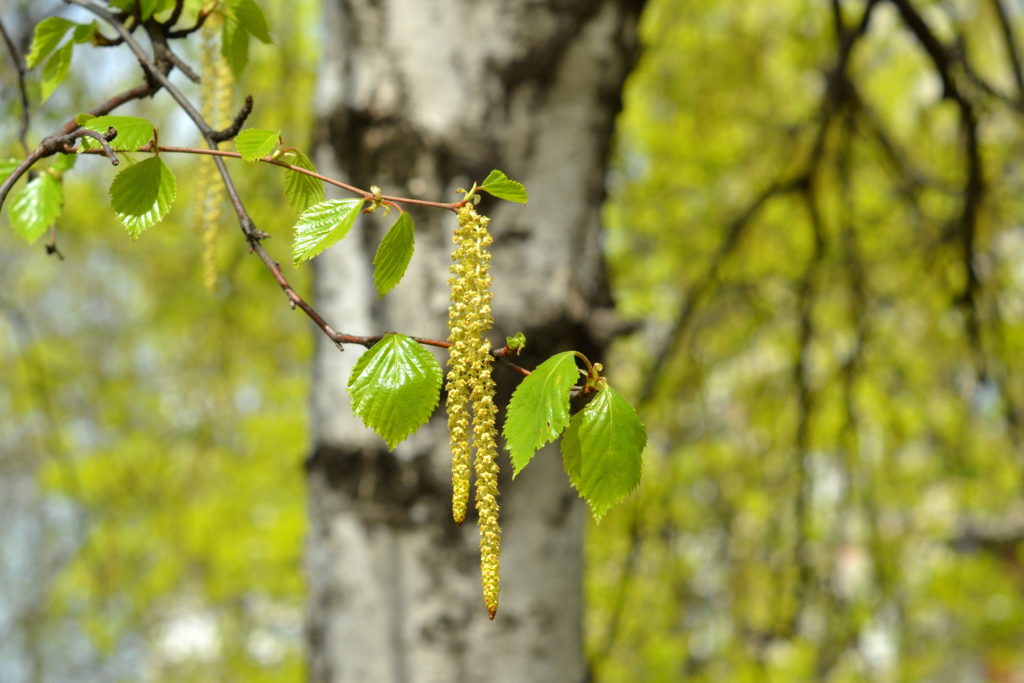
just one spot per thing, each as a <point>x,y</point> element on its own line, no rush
<point>602,450</point>
<point>501,186</point>
<point>302,190</point>
<point>255,143</point>
<point>45,39</point>
<point>55,70</point>
<point>142,194</point>
<point>395,387</point>
<point>539,409</point>
<point>393,254</point>
<point>132,132</point>
<point>322,225</point>
<point>36,206</point>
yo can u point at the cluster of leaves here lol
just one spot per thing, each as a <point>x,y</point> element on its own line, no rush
<point>395,387</point>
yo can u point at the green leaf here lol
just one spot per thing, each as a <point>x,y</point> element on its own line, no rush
<point>7,167</point>
<point>64,162</point>
<point>255,143</point>
<point>539,409</point>
<point>36,207</point>
<point>147,7</point>
<point>132,132</point>
<point>323,224</point>
<point>141,195</point>
<point>395,387</point>
<point>234,45</point>
<point>393,254</point>
<point>251,18</point>
<point>302,190</point>
<point>45,39</point>
<point>83,33</point>
<point>516,342</point>
<point>55,70</point>
<point>499,185</point>
<point>602,450</point>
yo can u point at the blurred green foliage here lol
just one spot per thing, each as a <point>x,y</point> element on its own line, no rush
<point>833,479</point>
<point>833,476</point>
<point>163,426</point>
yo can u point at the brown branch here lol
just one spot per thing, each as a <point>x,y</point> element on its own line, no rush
<point>19,66</point>
<point>252,234</point>
<point>231,131</point>
<point>974,187</point>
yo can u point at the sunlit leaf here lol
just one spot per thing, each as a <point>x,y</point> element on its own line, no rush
<point>499,185</point>
<point>602,449</point>
<point>322,225</point>
<point>302,190</point>
<point>142,194</point>
<point>255,143</point>
<point>132,132</point>
<point>393,254</point>
<point>395,387</point>
<point>55,70</point>
<point>539,409</point>
<point>45,39</point>
<point>36,206</point>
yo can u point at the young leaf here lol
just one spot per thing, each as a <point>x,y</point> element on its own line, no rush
<point>132,132</point>
<point>395,387</point>
<point>323,224</point>
<point>499,185</point>
<point>516,342</point>
<point>36,207</point>
<point>141,195</point>
<point>255,143</point>
<point>7,167</point>
<point>251,18</point>
<point>302,190</point>
<point>602,449</point>
<point>393,254</point>
<point>234,45</point>
<point>539,409</point>
<point>45,39</point>
<point>55,70</point>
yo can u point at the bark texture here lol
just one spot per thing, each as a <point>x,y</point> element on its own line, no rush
<point>422,97</point>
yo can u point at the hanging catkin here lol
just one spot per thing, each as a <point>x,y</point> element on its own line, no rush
<point>215,93</point>
<point>471,409</point>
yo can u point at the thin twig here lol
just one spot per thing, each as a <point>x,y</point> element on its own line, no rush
<point>252,234</point>
<point>231,131</point>
<point>365,194</point>
<point>19,66</point>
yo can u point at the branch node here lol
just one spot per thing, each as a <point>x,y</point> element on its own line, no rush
<point>236,125</point>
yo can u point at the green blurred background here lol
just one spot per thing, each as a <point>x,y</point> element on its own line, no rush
<point>827,355</point>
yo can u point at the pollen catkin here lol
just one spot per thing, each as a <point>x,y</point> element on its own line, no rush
<point>471,409</point>
<point>215,93</point>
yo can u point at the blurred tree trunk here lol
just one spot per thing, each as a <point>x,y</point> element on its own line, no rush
<point>422,98</point>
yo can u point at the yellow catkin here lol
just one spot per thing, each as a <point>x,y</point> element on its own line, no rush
<point>215,93</point>
<point>471,409</point>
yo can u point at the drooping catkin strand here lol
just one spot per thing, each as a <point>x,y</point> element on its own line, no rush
<point>471,410</point>
<point>215,93</point>
<point>486,464</point>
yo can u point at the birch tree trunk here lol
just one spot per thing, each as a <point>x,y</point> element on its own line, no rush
<point>422,97</point>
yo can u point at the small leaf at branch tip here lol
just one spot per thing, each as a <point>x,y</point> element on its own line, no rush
<point>499,185</point>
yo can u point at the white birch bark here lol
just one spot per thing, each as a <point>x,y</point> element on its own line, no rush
<point>421,97</point>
